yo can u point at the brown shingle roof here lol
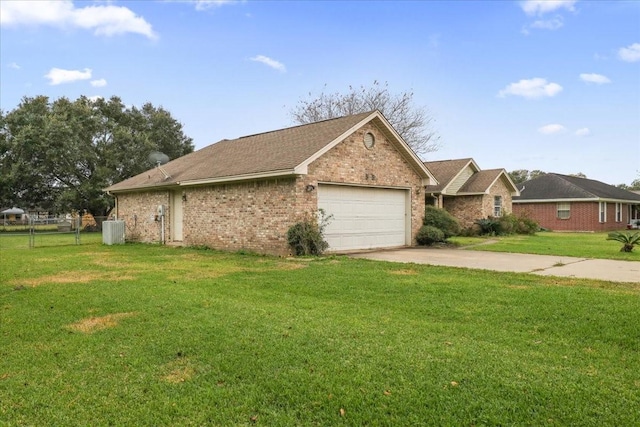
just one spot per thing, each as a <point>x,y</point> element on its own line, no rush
<point>275,153</point>
<point>280,150</point>
<point>445,171</point>
<point>481,181</point>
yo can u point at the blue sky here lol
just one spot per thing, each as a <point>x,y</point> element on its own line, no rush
<point>548,85</point>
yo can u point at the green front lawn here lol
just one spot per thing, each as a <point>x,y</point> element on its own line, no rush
<point>152,335</point>
<point>583,245</point>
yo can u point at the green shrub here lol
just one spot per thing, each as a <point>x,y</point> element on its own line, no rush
<point>428,235</point>
<point>489,226</point>
<point>526,225</point>
<point>307,236</point>
<point>507,224</point>
<point>441,219</point>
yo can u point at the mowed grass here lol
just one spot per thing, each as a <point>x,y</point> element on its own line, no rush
<point>582,245</point>
<point>151,335</point>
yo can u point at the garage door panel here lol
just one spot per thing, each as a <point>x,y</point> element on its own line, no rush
<point>363,217</point>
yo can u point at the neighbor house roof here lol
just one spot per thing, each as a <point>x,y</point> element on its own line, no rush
<point>447,172</point>
<point>553,187</point>
<point>270,154</point>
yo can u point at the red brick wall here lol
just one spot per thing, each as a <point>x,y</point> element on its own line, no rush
<point>584,216</point>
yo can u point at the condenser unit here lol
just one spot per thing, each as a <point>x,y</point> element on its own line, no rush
<point>113,232</point>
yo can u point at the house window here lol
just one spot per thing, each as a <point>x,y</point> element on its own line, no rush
<point>618,212</point>
<point>497,206</point>
<point>603,211</point>
<point>564,210</point>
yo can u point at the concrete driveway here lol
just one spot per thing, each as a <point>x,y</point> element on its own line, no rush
<point>543,265</point>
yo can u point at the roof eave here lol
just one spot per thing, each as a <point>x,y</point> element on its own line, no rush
<point>390,133</point>
<point>109,190</point>
<point>216,180</point>
<point>243,177</point>
<point>556,200</point>
<point>568,199</point>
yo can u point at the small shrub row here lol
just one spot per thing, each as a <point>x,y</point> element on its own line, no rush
<point>506,224</point>
<point>438,226</point>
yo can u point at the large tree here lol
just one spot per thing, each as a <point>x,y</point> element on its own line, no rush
<point>412,122</point>
<point>60,155</point>
<point>519,176</point>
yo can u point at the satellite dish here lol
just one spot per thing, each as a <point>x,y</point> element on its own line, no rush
<point>158,158</point>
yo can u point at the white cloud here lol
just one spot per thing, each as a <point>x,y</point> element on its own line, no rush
<point>98,83</point>
<point>14,66</point>
<point>549,24</point>
<point>630,53</point>
<point>594,78</point>
<point>107,20</point>
<point>95,98</point>
<point>531,89</point>
<point>551,129</point>
<point>210,4</point>
<point>270,62</point>
<point>58,76</point>
<point>540,7</point>
<point>583,132</point>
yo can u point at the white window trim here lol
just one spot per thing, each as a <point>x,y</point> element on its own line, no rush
<point>497,207</point>
<point>618,212</point>
<point>602,212</point>
<point>563,207</point>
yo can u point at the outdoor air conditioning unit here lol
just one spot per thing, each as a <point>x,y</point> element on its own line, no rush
<point>113,232</point>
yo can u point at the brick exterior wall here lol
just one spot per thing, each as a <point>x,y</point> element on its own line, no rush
<point>139,212</point>
<point>255,215</point>
<point>584,216</point>
<point>468,209</point>
<point>350,162</point>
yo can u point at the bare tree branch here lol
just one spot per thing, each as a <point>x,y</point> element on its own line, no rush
<point>412,122</point>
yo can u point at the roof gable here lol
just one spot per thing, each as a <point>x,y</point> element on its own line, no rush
<point>553,186</point>
<point>463,176</point>
<point>446,171</point>
<point>277,153</point>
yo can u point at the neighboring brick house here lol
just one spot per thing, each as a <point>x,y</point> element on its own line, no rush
<point>467,192</point>
<point>246,193</point>
<point>569,203</point>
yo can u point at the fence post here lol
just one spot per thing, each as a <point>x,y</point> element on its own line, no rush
<point>32,236</point>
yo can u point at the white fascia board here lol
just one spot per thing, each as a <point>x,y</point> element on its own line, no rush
<point>408,150</point>
<point>446,187</point>
<point>504,173</point>
<point>480,193</point>
<point>595,199</point>
<point>246,177</point>
<point>555,200</point>
<point>301,169</point>
<point>143,188</point>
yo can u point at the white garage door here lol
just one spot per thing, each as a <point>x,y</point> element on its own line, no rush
<point>363,217</point>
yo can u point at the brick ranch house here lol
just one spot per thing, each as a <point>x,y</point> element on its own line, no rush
<point>245,193</point>
<point>568,203</point>
<point>469,193</point>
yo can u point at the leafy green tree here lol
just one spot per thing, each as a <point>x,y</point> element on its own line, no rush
<point>60,155</point>
<point>634,186</point>
<point>519,176</point>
